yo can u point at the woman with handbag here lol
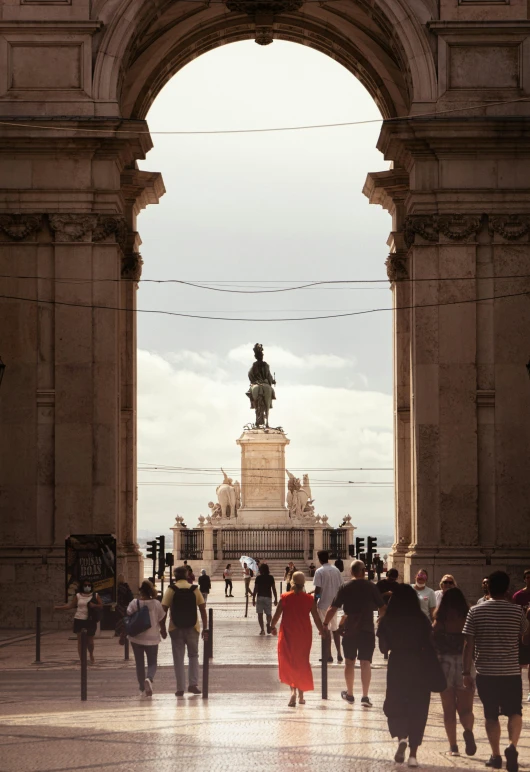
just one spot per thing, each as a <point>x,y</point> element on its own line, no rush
<point>413,670</point>
<point>88,605</point>
<point>448,624</point>
<point>145,625</point>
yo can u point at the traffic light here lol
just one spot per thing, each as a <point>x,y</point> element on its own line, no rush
<point>170,560</point>
<point>161,556</point>
<point>359,546</point>
<point>372,547</point>
<point>351,550</point>
<point>151,550</point>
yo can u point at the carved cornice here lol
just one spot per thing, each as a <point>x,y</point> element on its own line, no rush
<point>19,226</point>
<point>131,267</point>
<point>511,226</point>
<point>457,227</point>
<point>396,267</point>
<point>72,227</point>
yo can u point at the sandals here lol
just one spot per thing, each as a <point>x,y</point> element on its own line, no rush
<point>292,701</point>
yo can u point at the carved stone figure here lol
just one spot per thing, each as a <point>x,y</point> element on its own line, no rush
<point>299,501</point>
<point>261,391</point>
<point>228,496</point>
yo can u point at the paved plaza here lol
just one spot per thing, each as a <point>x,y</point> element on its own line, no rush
<point>244,725</point>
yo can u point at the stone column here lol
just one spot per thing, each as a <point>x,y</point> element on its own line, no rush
<point>319,537</point>
<point>68,407</point>
<point>389,190</point>
<point>207,555</point>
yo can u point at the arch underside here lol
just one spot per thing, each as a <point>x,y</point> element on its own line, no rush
<point>146,43</point>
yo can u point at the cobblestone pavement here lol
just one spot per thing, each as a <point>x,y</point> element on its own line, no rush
<point>245,723</point>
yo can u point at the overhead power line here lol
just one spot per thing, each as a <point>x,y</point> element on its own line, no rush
<point>319,317</point>
<point>322,284</point>
<point>135,132</point>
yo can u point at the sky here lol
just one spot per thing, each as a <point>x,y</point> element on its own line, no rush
<point>265,211</point>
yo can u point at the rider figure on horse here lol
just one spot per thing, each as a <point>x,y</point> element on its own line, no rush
<point>261,391</point>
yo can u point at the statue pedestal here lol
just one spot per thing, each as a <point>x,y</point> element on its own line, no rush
<point>263,483</point>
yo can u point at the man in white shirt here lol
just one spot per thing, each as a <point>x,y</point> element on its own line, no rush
<point>426,596</point>
<point>328,581</point>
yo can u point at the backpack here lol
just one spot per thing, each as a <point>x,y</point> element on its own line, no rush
<point>184,607</point>
<point>139,621</point>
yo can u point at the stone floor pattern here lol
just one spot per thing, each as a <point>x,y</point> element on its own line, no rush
<point>244,725</point>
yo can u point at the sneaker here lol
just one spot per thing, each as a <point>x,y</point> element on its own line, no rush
<point>412,762</point>
<point>454,751</point>
<point>194,690</point>
<point>365,702</point>
<point>469,739</point>
<point>348,697</point>
<point>495,762</point>
<point>511,758</point>
<point>268,629</point>
<point>399,758</point>
<point>179,694</point>
<point>148,687</point>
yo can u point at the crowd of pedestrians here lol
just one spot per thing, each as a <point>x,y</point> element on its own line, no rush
<point>433,640</point>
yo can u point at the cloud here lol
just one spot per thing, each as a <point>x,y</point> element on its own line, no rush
<point>286,359</point>
<point>188,417</point>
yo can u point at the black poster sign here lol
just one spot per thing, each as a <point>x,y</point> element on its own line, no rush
<point>91,556</point>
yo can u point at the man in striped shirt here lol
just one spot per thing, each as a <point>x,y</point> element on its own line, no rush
<point>493,631</point>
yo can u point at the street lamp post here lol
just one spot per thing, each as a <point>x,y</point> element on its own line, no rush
<point>2,370</point>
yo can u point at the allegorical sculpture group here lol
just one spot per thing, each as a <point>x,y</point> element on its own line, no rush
<point>261,393</point>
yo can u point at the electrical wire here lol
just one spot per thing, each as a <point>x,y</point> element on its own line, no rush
<point>322,284</point>
<point>436,114</point>
<point>250,319</point>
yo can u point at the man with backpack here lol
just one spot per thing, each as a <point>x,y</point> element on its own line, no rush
<point>182,600</point>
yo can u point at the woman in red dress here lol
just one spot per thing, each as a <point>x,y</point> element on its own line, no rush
<point>295,639</point>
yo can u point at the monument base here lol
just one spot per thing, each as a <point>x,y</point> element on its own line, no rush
<point>258,517</point>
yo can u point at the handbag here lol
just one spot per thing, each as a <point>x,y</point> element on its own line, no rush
<point>94,612</point>
<point>138,622</point>
<point>433,672</point>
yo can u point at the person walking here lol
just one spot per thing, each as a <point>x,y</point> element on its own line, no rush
<point>359,598</point>
<point>387,586</point>
<point>247,576</point>
<point>446,583</point>
<point>264,588</point>
<point>287,578</point>
<point>227,576</point>
<point>522,598</point>
<point>145,645</point>
<point>295,638</point>
<point>449,620</point>
<point>190,578</point>
<point>485,591</point>
<point>183,600</point>
<point>405,633</point>
<point>205,584</point>
<point>426,595</point>
<point>493,631</point>
<point>88,605</point>
<point>124,596</point>
<point>327,582</point>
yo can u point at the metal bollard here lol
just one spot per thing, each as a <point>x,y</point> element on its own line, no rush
<point>37,635</point>
<point>126,650</point>
<point>246,606</point>
<point>324,669</point>
<point>281,583</point>
<point>210,628</point>
<point>84,665</point>
<point>205,669</point>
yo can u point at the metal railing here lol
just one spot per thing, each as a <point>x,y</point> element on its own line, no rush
<point>334,541</point>
<point>192,544</point>
<point>265,543</point>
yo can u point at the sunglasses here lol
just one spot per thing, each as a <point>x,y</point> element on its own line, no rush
<point>447,581</point>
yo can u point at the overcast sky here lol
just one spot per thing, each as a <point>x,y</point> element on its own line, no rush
<point>272,210</point>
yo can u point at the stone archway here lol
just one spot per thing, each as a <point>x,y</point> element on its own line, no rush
<point>70,259</point>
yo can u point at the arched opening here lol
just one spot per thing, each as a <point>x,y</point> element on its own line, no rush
<point>265,211</point>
